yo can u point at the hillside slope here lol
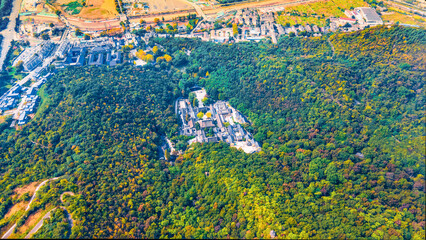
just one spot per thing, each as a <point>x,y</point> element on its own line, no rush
<point>342,142</point>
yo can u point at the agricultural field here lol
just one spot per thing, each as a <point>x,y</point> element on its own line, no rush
<point>317,12</point>
<point>395,15</point>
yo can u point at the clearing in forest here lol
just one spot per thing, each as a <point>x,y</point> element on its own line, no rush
<point>18,192</point>
<point>31,221</point>
<point>30,188</point>
<point>16,208</point>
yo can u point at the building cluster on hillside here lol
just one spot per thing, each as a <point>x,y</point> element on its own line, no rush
<point>255,25</point>
<point>33,57</point>
<point>364,16</point>
<point>26,97</point>
<point>220,122</point>
<point>102,51</point>
<point>30,102</point>
<point>9,100</point>
<point>36,60</point>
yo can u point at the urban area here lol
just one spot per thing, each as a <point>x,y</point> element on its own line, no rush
<point>41,58</point>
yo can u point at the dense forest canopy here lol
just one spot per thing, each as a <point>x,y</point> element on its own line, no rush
<point>342,134</point>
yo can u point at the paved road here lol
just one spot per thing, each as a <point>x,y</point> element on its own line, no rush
<point>197,8</point>
<point>9,32</point>
<point>10,231</point>
<point>47,215</point>
<point>7,234</point>
<point>407,6</point>
<point>70,220</point>
<point>170,145</point>
<point>39,224</point>
<point>38,188</point>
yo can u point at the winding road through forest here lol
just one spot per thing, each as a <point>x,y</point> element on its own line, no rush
<point>47,215</point>
<point>10,231</point>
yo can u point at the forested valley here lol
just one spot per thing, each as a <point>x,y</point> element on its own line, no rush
<point>340,120</point>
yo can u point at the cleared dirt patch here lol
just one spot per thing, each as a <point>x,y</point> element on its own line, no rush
<point>16,208</point>
<point>30,188</point>
<point>97,9</point>
<point>31,220</point>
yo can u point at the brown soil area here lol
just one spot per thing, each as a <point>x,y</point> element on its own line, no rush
<point>30,188</point>
<point>16,208</point>
<point>31,221</point>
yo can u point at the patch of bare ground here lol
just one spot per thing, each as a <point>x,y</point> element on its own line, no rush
<point>30,222</point>
<point>30,188</point>
<point>16,208</point>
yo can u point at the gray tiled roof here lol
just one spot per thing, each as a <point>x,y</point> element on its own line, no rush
<point>370,14</point>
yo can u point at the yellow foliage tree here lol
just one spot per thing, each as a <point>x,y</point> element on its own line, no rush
<point>155,49</point>
<point>168,58</point>
<point>149,58</point>
<point>200,115</point>
<point>141,54</point>
<point>235,29</point>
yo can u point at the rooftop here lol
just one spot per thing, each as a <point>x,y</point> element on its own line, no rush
<point>370,14</point>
